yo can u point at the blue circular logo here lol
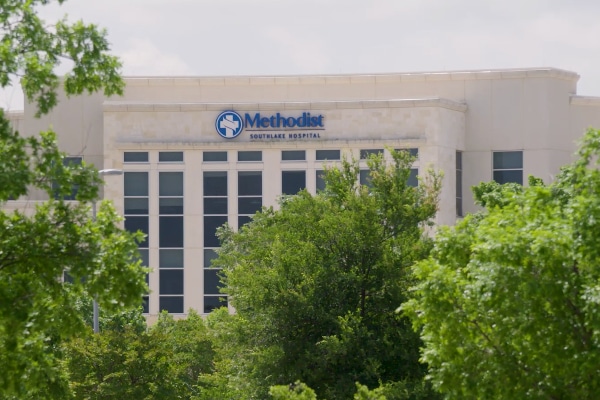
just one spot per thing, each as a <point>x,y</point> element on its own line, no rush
<point>229,124</point>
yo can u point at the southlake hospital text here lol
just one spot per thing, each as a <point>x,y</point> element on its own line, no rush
<point>285,136</point>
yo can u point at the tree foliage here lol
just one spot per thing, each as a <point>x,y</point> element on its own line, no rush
<point>37,312</point>
<point>508,304</point>
<point>128,360</point>
<point>316,284</point>
<point>30,50</point>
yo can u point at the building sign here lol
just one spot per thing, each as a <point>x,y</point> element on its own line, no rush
<point>229,125</point>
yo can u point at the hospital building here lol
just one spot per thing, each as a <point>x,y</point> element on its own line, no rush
<point>197,152</point>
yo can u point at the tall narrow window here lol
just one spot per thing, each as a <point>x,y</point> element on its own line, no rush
<point>135,200</point>
<point>320,180</point>
<point>215,215</point>
<point>459,200</point>
<point>73,162</point>
<point>170,225</point>
<point>292,181</point>
<point>249,195</point>
<point>508,167</point>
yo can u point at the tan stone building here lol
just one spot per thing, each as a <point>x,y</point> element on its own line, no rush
<point>200,151</point>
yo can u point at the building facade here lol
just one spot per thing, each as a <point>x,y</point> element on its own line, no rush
<point>201,151</point>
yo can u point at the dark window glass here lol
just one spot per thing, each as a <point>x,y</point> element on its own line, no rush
<point>413,178</point>
<point>459,207</point>
<point>509,176</point>
<point>508,160</point>
<point>249,183</point>
<point>210,228</point>
<point>458,160</point>
<point>170,183</point>
<point>209,256</point>
<point>136,205</point>
<point>249,155</point>
<point>414,152</point>
<point>135,183</point>
<point>171,304</point>
<point>215,183</point>
<point>211,156</point>
<point>320,177</point>
<point>145,257</point>
<point>170,205</point>
<point>249,205</point>
<point>170,156</point>
<point>171,258</point>
<point>292,181</point>
<point>214,302</point>
<point>215,205</point>
<point>134,224</point>
<point>71,162</point>
<point>145,305</point>
<point>243,220</point>
<point>212,281</point>
<point>327,155</point>
<point>364,154</point>
<point>365,177</point>
<point>171,281</point>
<point>293,155</point>
<point>170,231</point>
<point>135,156</point>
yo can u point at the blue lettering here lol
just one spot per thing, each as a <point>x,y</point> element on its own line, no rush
<point>251,123</point>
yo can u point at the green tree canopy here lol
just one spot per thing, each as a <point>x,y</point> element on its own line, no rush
<point>128,360</point>
<point>508,304</point>
<point>37,311</point>
<point>31,49</point>
<point>315,284</point>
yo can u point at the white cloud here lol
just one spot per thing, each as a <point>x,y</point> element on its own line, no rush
<point>142,57</point>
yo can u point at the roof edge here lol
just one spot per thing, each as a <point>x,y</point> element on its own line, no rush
<point>516,73</point>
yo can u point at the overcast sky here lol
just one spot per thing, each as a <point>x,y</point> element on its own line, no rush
<point>284,37</point>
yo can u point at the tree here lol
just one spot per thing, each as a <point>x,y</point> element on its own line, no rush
<point>316,284</point>
<point>37,311</point>
<point>508,304</point>
<point>128,360</point>
<point>30,50</point>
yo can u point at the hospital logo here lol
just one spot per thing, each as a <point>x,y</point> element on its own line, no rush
<point>229,124</point>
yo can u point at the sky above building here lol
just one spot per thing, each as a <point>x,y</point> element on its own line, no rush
<point>289,37</point>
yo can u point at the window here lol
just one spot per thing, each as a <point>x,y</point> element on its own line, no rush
<point>170,156</point>
<point>71,162</point>
<point>508,167</point>
<point>365,177</point>
<point>364,154</point>
<point>323,155</point>
<point>459,202</point>
<point>135,156</point>
<point>136,215</point>
<point>413,178</point>
<point>293,155</point>
<point>414,151</point>
<point>249,155</point>
<point>292,181</point>
<point>213,156</point>
<point>215,215</point>
<point>249,195</point>
<point>320,179</point>
<point>170,241</point>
